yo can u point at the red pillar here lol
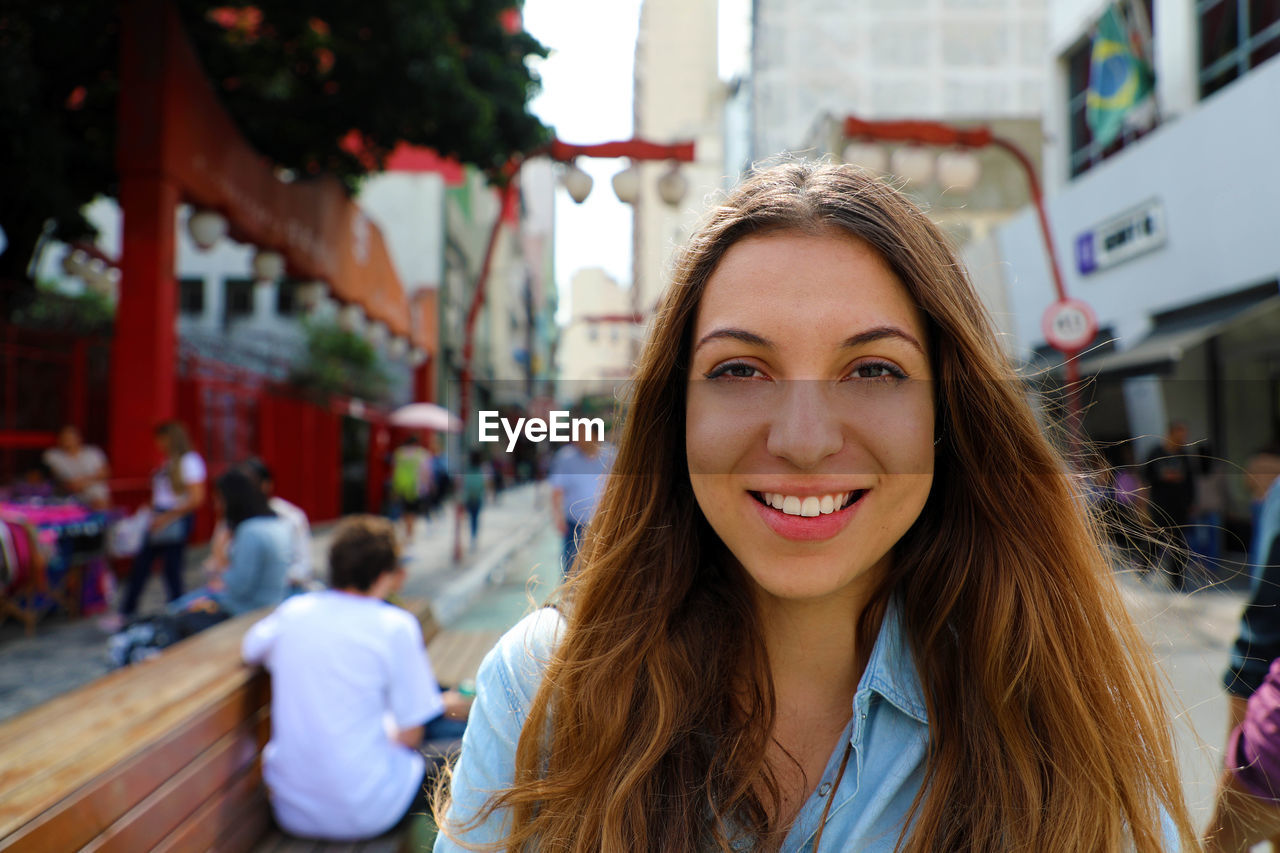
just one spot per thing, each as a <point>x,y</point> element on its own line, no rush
<point>144,349</point>
<point>424,386</point>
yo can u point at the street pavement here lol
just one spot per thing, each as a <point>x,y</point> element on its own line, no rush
<point>1191,636</point>
<point>515,567</point>
<point>66,654</point>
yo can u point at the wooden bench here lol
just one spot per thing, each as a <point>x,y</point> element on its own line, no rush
<point>163,756</point>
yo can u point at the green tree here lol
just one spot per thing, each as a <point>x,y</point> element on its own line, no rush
<point>298,76</point>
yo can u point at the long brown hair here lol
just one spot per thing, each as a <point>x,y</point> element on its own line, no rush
<point>650,728</point>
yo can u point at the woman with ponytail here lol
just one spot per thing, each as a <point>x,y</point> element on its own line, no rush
<point>840,592</point>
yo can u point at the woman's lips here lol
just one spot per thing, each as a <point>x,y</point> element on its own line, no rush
<point>805,522</point>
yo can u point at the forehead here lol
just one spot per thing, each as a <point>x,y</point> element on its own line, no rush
<point>806,283</point>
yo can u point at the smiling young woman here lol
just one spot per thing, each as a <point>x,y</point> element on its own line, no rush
<point>840,592</point>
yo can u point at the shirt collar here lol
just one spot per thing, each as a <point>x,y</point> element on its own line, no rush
<point>891,672</point>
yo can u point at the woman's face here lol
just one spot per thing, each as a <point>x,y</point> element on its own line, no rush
<point>810,423</point>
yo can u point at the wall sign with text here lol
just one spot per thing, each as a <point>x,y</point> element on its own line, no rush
<point>1132,233</point>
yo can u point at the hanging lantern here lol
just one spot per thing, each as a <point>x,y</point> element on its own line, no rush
<point>351,318</point>
<point>268,265</point>
<point>626,185</point>
<point>577,182</point>
<point>913,163</point>
<point>310,295</point>
<point>75,262</point>
<point>672,186</point>
<point>399,348</point>
<point>868,155</point>
<point>417,357</point>
<point>207,227</point>
<point>958,169</point>
<point>378,334</point>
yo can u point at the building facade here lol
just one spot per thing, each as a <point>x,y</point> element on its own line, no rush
<point>963,62</point>
<point>1167,232</point>
<point>678,97</point>
<point>595,350</point>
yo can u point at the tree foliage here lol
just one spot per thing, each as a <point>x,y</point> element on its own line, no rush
<point>302,80</point>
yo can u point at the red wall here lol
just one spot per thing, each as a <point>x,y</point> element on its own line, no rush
<point>300,442</point>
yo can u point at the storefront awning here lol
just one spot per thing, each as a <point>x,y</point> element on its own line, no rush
<point>1160,352</point>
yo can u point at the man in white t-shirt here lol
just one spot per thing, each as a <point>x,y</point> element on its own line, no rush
<point>351,690</point>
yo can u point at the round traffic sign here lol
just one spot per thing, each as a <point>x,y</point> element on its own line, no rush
<point>1069,325</point>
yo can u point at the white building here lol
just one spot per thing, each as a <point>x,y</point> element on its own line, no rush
<point>963,62</point>
<point>938,59</point>
<point>595,351</point>
<point>678,97</point>
<point>1169,236</point>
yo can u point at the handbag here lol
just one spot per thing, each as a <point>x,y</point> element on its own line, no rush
<point>125,537</point>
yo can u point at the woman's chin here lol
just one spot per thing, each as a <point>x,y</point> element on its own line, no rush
<point>812,581</point>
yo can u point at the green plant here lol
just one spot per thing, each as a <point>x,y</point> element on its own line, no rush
<point>341,362</point>
<point>50,308</point>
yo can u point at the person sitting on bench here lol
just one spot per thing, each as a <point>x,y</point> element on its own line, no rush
<point>352,691</point>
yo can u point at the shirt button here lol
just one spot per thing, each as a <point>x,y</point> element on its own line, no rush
<point>824,789</point>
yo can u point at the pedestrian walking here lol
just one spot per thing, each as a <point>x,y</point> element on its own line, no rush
<point>177,491</point>
<point>1170,473</point>
<point>410,471</point>
<point>577,479</point>
<point>476,484</point>
<point>1204,527</point>
<point>839,594</point>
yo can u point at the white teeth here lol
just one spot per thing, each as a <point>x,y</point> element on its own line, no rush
<point>808,506</point>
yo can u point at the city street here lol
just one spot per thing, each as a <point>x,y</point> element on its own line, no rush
<point>516,567</point>
<point>484,592</point>
<point>1190,636</point>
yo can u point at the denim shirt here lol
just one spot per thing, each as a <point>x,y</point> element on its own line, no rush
<point>888,732</point>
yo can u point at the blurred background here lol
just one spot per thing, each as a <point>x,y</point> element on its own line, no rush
<point>281,222</point>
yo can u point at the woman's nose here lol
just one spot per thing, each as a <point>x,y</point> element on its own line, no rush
<point>805,428</point>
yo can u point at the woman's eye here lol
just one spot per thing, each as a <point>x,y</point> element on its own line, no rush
<point>733,370</point>
<point>878,370</point>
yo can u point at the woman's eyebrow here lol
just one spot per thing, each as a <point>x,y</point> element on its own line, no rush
<point>737,335</point>
<point>880,333</point>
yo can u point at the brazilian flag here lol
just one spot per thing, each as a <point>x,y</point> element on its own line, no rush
<point>1119,79</point>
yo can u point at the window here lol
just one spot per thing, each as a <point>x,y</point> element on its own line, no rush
<point>1235,36</point>
<point>287,297</point>
<point>1085,152</point>
<point>239,296</point>
<point>191,296</point>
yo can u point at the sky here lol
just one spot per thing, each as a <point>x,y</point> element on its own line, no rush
<point>586,97</point>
